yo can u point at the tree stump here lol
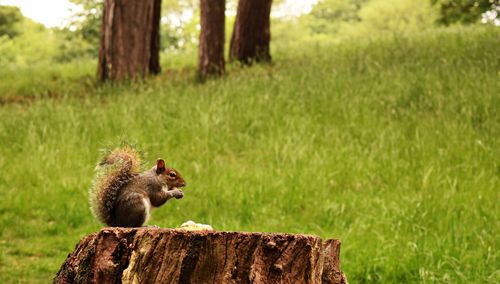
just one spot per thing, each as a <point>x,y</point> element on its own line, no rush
<point>147,255</point>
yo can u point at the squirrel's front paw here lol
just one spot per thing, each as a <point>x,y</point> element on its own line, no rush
<point>177,193</point>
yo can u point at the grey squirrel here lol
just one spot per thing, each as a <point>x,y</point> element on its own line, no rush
<point>121,196</point>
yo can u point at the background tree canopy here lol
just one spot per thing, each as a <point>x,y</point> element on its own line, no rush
<point>463,11</point>
<point>10,18</point>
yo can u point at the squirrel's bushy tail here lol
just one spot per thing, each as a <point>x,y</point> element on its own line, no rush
<point>115,170</point>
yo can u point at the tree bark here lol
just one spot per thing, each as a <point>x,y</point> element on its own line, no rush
<point>130,39</point>
<point>251,34</point>
<point>211,48</point>
<point>145,255</point>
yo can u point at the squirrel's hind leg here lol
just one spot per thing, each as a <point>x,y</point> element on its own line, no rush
<point>132,211</point>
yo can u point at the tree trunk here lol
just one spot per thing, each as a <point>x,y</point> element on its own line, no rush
<point>145,255</point>
<point>251,34</point>
<point>211,49</point>
<point>130,39</point>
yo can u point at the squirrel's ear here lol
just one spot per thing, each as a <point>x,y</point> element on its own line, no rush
<point>160,166</point>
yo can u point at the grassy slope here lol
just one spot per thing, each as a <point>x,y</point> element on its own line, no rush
<point>390,145</point>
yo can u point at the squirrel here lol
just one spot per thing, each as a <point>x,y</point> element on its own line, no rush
<point>121,196</point>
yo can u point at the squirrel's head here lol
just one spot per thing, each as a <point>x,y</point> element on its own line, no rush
<point>170,176</point>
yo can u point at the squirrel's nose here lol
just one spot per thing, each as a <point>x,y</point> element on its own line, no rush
<point>182,183</point>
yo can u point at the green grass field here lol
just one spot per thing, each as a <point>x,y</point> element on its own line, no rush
<point>390,145</point>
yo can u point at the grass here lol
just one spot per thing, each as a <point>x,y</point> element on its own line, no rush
<point>391,145</point>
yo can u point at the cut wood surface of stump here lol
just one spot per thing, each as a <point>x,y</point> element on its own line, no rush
<point>148,255</point>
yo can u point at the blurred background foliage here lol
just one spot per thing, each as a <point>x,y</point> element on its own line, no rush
<point>10,18</point>
<point>23,42</point>
<point>463,11</point>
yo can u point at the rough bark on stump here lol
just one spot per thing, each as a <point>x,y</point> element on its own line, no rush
<point>130,39</point>
<point>211,47</point>
<point>146,255</point>
<point>251,34</point>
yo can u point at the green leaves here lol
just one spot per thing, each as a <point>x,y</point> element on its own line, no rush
<point>462,11</point>
<point>10,18</point>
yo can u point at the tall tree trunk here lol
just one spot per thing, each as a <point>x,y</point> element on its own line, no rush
<point>211,49</point>
<point>130,39</point>
<point>154,60</point>
<point>251,34</point>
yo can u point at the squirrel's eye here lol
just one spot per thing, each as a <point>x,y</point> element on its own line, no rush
<point>171,174</point>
